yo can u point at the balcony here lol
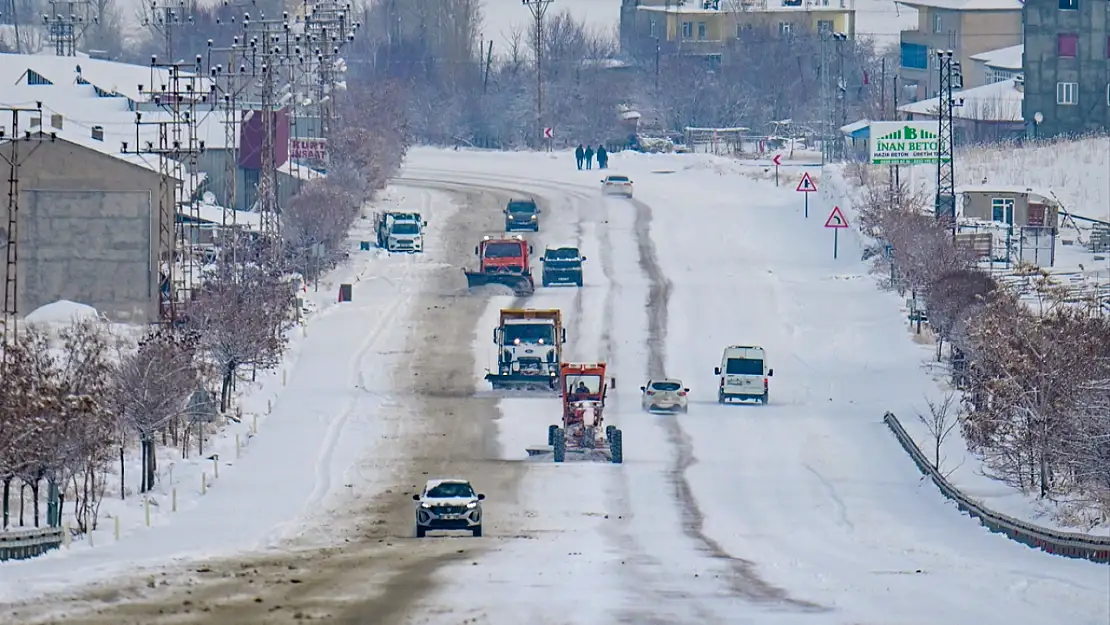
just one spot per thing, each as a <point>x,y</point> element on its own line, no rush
<point>934,41</point>
<point>692,47</point>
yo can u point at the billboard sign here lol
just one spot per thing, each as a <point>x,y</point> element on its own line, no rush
<point>904,143</point>
<point>308,149</point>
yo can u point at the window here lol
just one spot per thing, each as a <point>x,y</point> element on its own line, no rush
<point>744,366</point>
<point>824,26</point>
<point>687,30</point>
<point>743,30</point>
<point>1002,209</point>
<point>1067,45</point>
<point>701,30</point>
<point>915,56</point>
<point>1069,5</point>
<point>937,24</point>
<point>785,28</point>
<point>35,78</point>
<point>1067,93</point>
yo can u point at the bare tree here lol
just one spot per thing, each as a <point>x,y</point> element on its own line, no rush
<point>942,420</point>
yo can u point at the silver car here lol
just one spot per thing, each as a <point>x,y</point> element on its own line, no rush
<point>448,504</point>
<point>664,396</point>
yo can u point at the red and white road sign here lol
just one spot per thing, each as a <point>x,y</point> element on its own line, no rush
<point>807,185</point>
<point>836,219</point>
<point>777,160</point>
<point>548,133</point>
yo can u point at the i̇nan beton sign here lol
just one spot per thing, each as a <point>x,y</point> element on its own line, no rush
<point>904,143</point>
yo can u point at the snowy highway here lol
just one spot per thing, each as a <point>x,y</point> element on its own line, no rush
<point>803,511</point>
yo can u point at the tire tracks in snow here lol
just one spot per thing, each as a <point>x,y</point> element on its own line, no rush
<point>745,581</point>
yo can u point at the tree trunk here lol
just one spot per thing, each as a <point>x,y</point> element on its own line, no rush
<point>22,498</point>
<point>35,500</point>
<point>152,465</point>
<point>122,470</point>
<point>7,501</point>
<point>225,389</point>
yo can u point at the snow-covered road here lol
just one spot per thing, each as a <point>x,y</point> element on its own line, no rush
<point>805,510</point>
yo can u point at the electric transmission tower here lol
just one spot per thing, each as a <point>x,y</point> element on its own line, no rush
<point>538,9</point>
<point>66,24</point>
<point>166,20</point>
<point>14,148</point>
<point>950,78</point>
<point>177,90</point>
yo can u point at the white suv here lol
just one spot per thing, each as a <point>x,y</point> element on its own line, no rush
<point>664,396</point>
<point>448,504</point>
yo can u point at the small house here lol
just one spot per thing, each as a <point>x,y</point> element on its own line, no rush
<point>1020,207</point>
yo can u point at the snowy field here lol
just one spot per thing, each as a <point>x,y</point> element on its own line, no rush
<point>802,511</point>
<point>311,421</point>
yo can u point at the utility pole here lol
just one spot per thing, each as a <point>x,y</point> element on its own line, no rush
<point>67,23</point>
<point>840,112</point>
<point>950,78</point>
<point>9,237</point>
<point>539,10</point>
<point>165,19</point>
<point>176,90</point>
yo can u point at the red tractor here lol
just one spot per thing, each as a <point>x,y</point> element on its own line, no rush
<point>503,260</point>
<point>583,430</point>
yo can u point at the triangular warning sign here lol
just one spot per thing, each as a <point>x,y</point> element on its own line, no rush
<point>836,219</point>
<point>807,185</point>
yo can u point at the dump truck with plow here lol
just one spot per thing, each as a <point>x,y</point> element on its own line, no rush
<point>529,349</point>
<point>583,433</point>
<point>503,260</point>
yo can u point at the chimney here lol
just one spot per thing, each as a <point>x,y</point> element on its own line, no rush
<point>98,133</point>
<point>56,121</point>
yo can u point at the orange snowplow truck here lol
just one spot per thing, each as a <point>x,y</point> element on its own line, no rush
<point>503,260</point>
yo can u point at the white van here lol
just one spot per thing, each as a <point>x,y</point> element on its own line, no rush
<point>743,374</point>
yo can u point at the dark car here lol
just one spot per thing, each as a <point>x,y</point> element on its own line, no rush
<point>562,265</point>
<point>522,215</point>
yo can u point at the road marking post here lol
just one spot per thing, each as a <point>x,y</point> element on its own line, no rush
<point>837,221</point>
<point>806,186</point>
<point>777,160</point>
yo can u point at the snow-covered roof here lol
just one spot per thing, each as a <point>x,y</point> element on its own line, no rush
<point>966,5</point>
<point>855,126</point>
<point>996,102</point>
<point>756,6</point>
<point>1043,194</point>
<point>301,173</point>
<point>215,214</point>
<point>1002,58</point>
<point>110,76</point>
<point>75,136</point>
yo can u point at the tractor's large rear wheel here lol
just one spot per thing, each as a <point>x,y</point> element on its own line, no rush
<point>551,430</point>
<point>560,445</point>
<point>609,429</point>
<point>616,447</point>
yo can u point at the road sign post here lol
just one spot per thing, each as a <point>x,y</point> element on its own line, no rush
<point>548,136</point>
<point>806,186</point>
<point>777,160</point>
<point>836,221</point>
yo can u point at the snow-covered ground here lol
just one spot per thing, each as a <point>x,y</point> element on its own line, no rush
<point>804,510</point>
<point>303,426</point>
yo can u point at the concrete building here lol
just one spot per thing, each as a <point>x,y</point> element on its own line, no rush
<point>1020,207</point>
<point>1067,44</point>
<point>995,66</point>
<point>986,114</point>
<point>88,229</point>
<point>705,29</point>
<point>966,27</point>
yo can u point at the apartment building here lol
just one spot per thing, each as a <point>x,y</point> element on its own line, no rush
<point>997,65</point>
<point>966,27</point>
<point>706,27</point>
<point>1067,66</point>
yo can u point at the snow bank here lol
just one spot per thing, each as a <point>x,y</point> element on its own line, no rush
<point>62,311</point>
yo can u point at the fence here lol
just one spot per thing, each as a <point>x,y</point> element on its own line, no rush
<point>23,544</point>
<point>1072,545</point>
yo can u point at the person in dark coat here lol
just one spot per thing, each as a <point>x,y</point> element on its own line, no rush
<point>602,157</point>
<point>589,154</point>
<point>579,155</point>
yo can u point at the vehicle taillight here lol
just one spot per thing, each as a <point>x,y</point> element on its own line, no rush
<point>651,392</point>
<point>682,393</point>
<point>764,382</point>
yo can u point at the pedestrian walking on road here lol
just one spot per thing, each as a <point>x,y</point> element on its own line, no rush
<point>589,154</point>
<point>602,157</point>
<point>579,155</point>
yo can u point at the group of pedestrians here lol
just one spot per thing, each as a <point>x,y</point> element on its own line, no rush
<point>585,157</point>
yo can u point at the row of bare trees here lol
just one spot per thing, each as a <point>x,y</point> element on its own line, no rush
<point>1031,358</point>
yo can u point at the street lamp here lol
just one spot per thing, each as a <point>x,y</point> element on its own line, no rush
<point>538,8</point>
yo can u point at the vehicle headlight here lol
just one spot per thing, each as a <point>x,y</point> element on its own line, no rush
<point>472,505</point>
<point>533,217</point>
<point>425,505</point>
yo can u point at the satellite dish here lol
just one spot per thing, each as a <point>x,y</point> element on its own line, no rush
<point>209,197</point>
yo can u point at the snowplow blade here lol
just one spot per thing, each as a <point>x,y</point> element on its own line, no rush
<point>521,285</point>
<point>518,381</point>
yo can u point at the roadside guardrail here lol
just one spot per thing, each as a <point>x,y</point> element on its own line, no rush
<point>1071,545</point>
<point>23,544</point>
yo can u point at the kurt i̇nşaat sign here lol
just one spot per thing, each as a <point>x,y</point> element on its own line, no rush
<point>904,143</point>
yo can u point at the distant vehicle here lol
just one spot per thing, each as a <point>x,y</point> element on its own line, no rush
<point>448,504</point>
<point>400,231</point>
<point>562,265</point>
<point>617,185</point>
<point>522,215</point>
<point>743,374</point>
<point>503,260</point>
<point>664,396</point>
